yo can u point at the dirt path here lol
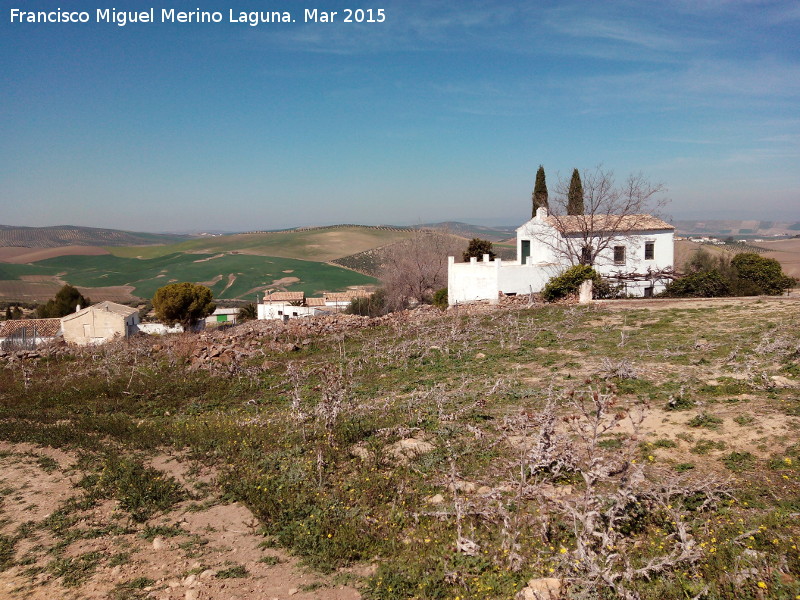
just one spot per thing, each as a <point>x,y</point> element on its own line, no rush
<point>202,550</point>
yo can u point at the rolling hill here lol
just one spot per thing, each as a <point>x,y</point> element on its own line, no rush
<point>73,235</point>
<point>235,267</point>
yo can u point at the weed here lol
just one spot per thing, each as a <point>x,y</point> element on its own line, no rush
<point>683,467</point>
<point>270,560</point>
<point>133,589</point>
<point>744,420</point>
<point>664,443</point>
<point>7,545</point>
<point>119,558</point>
<point>74,571</point>
<point>140,490</point>
<point>47,464</point>
<point>166,531</point>
<point>705,420</point>
<point>739,461</point>
<point>703,447</point>
<point>233,572</point>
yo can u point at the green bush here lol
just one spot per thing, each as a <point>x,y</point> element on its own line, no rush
<point>703,284</point>
<point>747,274</point>
<point>760,275</point>
<point>373,305</point>
<point>440,299</point>
<point>568,282</point>
<point>141,491</point>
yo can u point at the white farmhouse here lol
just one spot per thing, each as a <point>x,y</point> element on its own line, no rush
<point>547,245</point>
<point>100,323</point>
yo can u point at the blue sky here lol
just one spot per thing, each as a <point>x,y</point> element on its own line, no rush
<point>442,112</point>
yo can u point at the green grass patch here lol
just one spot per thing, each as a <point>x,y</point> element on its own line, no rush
<point>141,491</point>
<point>236,571</point>
<point>706,421</point>
<point>739,461</point>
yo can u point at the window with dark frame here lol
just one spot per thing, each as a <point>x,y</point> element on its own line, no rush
<point>586,255</point>
<point>619,255</point>
<point>649,250</point>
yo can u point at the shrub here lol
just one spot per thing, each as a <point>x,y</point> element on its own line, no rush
<point>248,312</point>
<point>568,282</point>
<point>702,284</point>
<point>759,275</point>
<point>373,305</point>
<point>748,274</point>
<point>440,299</point>
<point>141,491</point>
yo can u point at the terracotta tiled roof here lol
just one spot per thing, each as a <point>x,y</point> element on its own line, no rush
<point>119,309</point>
<point>605,223</point>
<point>285,297</point>
<point>345,296</point>
<point>315,301</point>
<point>44,327</point>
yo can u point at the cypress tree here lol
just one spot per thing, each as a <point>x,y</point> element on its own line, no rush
<point>539,191</point>
<point>8,313</point>
<point>575,195</point>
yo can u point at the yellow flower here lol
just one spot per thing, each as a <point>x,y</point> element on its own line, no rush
<point>563,550</point>
<point>762,585</point>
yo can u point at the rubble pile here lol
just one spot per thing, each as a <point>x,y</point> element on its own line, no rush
<point>230,349</point>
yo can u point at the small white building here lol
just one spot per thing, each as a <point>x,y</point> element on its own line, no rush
<point>547,245</point>
<point>100,323</point>
<point>223,316</point>
<point>285,306</point>
<point>339,301</point>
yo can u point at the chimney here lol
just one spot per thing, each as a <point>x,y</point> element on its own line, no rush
<point>77,308</point>
<point>541,213</point>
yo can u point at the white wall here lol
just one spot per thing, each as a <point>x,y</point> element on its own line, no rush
<point>159,328</point>
<point>279,310</point>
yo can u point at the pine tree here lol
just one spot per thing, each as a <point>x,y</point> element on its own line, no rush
<point>539,191</point>
<point>9,316</point>
<point>575,195</point>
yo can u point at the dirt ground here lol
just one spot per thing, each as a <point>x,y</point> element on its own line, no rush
<point>189,566</point>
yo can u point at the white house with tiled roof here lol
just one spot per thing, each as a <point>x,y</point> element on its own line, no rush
<point>291,305</point>
<point>630,249</point>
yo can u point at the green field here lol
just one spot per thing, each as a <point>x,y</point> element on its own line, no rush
<point>230,276</point>
<point>322,244</point>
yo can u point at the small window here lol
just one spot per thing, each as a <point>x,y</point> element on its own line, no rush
<point>280,312</point>
<point>649,250</point>
<point>619,255</point>
<point>586,255</point>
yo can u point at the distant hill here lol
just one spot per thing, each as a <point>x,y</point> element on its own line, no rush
<point>73,235</point>
<point>493,234</point>
<point>740,229</point>
<point>320,244</point>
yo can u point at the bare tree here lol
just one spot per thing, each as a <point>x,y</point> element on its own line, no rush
<point>417,267</point>
<point>610,213</point>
